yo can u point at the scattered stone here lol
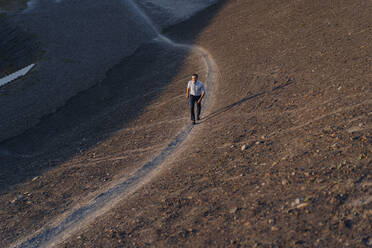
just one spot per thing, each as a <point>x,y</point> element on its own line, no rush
<point>302,205</point>
<point>233,210</point>
<point>295,202</point>
<point>274,229</point>
<point>244,147</point>
<point>361,156</point>
<point>18,198</point>
<point>284,182</point>
<point>308,198</point>
<point>35,178</point>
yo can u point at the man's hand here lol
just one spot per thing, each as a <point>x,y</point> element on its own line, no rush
<point>201,98</point>
<point>187,96</point>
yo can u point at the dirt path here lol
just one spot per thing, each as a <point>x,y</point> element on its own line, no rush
<point>64,226</point>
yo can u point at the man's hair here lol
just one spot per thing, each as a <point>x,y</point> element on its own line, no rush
<point>195,75</point>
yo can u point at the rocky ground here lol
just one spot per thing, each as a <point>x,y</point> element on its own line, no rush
<point>282,159</point>
<point>101,135</point>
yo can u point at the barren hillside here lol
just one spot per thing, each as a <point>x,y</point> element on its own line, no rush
<point>281,157</point>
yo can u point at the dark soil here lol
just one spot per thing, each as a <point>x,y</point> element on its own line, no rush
<point>13,5</point>
<point>18,48</point>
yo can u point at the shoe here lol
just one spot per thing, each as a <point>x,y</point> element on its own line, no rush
<point>193,122</point>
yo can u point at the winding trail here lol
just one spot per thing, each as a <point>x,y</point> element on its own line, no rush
<point>79,217</point>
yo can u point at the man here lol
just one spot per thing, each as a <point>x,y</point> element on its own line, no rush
<point>195,93</point>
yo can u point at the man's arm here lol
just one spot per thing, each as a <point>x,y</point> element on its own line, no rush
<point>202,95</point>
<point>187,92</point>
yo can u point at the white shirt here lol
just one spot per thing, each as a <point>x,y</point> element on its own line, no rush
<point>196,89</point>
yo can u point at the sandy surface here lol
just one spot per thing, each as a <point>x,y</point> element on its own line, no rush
<point>295,91</point>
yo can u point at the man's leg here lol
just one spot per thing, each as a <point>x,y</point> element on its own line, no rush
<point>192,104</point>
<point>198,108</point>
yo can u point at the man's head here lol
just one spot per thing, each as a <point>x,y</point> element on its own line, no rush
<point>194,77</point>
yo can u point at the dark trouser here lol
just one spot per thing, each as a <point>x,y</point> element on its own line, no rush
<point>193,100</point>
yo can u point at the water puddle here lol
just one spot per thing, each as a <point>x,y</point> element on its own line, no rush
<point>15,75</point>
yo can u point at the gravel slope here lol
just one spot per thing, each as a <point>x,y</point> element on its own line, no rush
<point>296,90</point>
<point>283,160</point>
